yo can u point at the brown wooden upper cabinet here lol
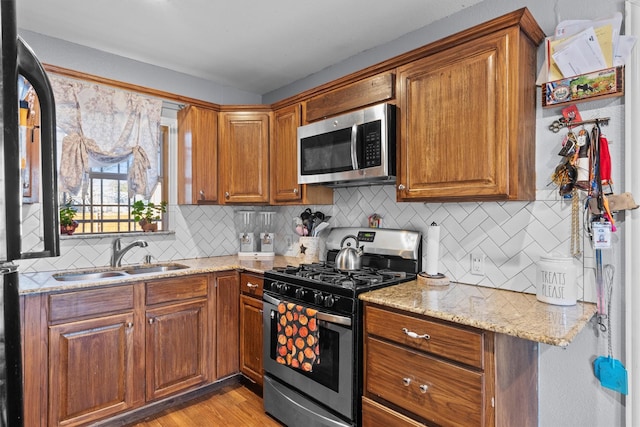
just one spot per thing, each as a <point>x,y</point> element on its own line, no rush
<point>244,156</point>
<point>197,155</point>
<point>361,93</point>
<point>467,115</point>
<point>284,158</point>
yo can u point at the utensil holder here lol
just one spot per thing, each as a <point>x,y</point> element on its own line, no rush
<point>309,249</point>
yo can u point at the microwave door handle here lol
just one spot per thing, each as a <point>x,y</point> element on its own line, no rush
<point>32,70</point>
<point>354,152</point>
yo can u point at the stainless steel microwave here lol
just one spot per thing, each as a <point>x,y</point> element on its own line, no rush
<point>357,148</point>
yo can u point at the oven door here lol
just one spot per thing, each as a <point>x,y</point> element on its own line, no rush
<point>331,381</point>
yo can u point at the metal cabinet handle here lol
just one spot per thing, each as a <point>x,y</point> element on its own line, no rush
<point>412,334</point>
<point>406,381</point>
<point>226,195</point>
<point>295,191</point>
<point>401,187</point>
<point>201,192</point>
<point>129,325</point>
<point>424,388</point>
<point>151,320</point>
<point>251,285</point>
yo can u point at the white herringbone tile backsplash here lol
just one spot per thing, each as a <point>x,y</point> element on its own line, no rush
<point>512,235</point>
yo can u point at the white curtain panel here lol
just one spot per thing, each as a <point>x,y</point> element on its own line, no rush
<point>100,125</point>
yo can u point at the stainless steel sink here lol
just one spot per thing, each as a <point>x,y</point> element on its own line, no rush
<point>94,275</point>
<point>120,272</point>
<point>154,268</point>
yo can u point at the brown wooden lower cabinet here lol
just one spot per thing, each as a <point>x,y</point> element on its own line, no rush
<point>93,353</point>
<point>91,369</point>
<point>227,320</point>
<point>175,357</point>
<point>424,371</point>
<point>251,326</point>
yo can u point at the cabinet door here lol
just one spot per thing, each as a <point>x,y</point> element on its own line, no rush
<point>227,321</point>
<point>176,337</point>
<point>455,123</point>
<point>284,160</point>
<point>251,338</point>
<point>284,156</point>
<point>244,157</point>
<point>91,371</point>
<point>197,155</point>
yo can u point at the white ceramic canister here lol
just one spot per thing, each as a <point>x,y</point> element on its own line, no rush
<point>556,280</point>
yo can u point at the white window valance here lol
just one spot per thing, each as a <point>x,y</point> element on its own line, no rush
<point>101,125</point>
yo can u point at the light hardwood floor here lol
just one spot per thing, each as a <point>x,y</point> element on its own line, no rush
<point>233,405</point>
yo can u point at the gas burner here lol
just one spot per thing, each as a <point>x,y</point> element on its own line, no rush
<point>331,277</point>
<point>369,278</point>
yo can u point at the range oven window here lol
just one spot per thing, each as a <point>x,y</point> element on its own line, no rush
<point>326,372</point>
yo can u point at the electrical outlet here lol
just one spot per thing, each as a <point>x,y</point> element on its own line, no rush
<point>288,240</point>
<point>477,263</point>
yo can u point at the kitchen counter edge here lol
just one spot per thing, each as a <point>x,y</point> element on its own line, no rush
<point>502,311</point>
<point>44,282</point>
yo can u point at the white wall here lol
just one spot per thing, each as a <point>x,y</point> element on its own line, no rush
<point>511,234</point>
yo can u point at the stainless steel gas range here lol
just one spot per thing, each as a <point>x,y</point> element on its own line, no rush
<point>329,393</point>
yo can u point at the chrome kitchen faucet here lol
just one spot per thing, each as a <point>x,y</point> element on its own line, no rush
<point>117,253</point>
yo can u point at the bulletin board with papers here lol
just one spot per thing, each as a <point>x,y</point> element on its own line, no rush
<point>584,60</point>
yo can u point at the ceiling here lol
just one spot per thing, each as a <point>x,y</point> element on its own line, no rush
<point>253,45</point>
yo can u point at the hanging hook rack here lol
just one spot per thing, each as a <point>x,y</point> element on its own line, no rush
<point>562,123</point>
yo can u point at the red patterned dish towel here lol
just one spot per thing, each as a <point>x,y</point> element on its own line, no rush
<point>298,335</point>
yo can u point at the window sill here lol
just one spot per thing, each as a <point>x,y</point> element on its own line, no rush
<point>110,235</point>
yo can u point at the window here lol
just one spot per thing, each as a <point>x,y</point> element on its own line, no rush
<point>107,207</point>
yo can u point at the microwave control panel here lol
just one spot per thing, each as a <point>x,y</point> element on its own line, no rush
<point>372,144</point>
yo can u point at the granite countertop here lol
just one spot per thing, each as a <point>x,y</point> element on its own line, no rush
<point>507,312</point>
<point>44,281</point>
<point>512,313</point>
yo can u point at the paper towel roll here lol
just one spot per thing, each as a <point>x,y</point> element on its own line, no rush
<point>433,248</point>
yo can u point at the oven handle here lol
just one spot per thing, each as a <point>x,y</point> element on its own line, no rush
<point>327,317</point>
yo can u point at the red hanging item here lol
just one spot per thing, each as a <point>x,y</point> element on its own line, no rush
<point>605,162</point>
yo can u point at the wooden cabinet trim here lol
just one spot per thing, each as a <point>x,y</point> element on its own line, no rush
<point>522,18</point>
<point>175,289</point>
<point>358,94</point>
<point>92,302</point>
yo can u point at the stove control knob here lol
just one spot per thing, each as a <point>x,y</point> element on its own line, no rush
<point>329,300</point>
<point>300,293</point>
<point>318,298</point>
<point>283,288</point>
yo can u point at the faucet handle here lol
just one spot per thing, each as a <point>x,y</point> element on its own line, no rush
<point>148,258</point>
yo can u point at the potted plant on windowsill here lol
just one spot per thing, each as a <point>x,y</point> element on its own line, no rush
<point>67,214</point>
<point>147,214</point>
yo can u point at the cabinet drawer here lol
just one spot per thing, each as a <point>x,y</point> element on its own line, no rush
<point>452,395</point>
<point>374,415</point>
<point>92,302</point>
<point>176,289</point>
<point>251,284</point>
<point>453,342</point>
